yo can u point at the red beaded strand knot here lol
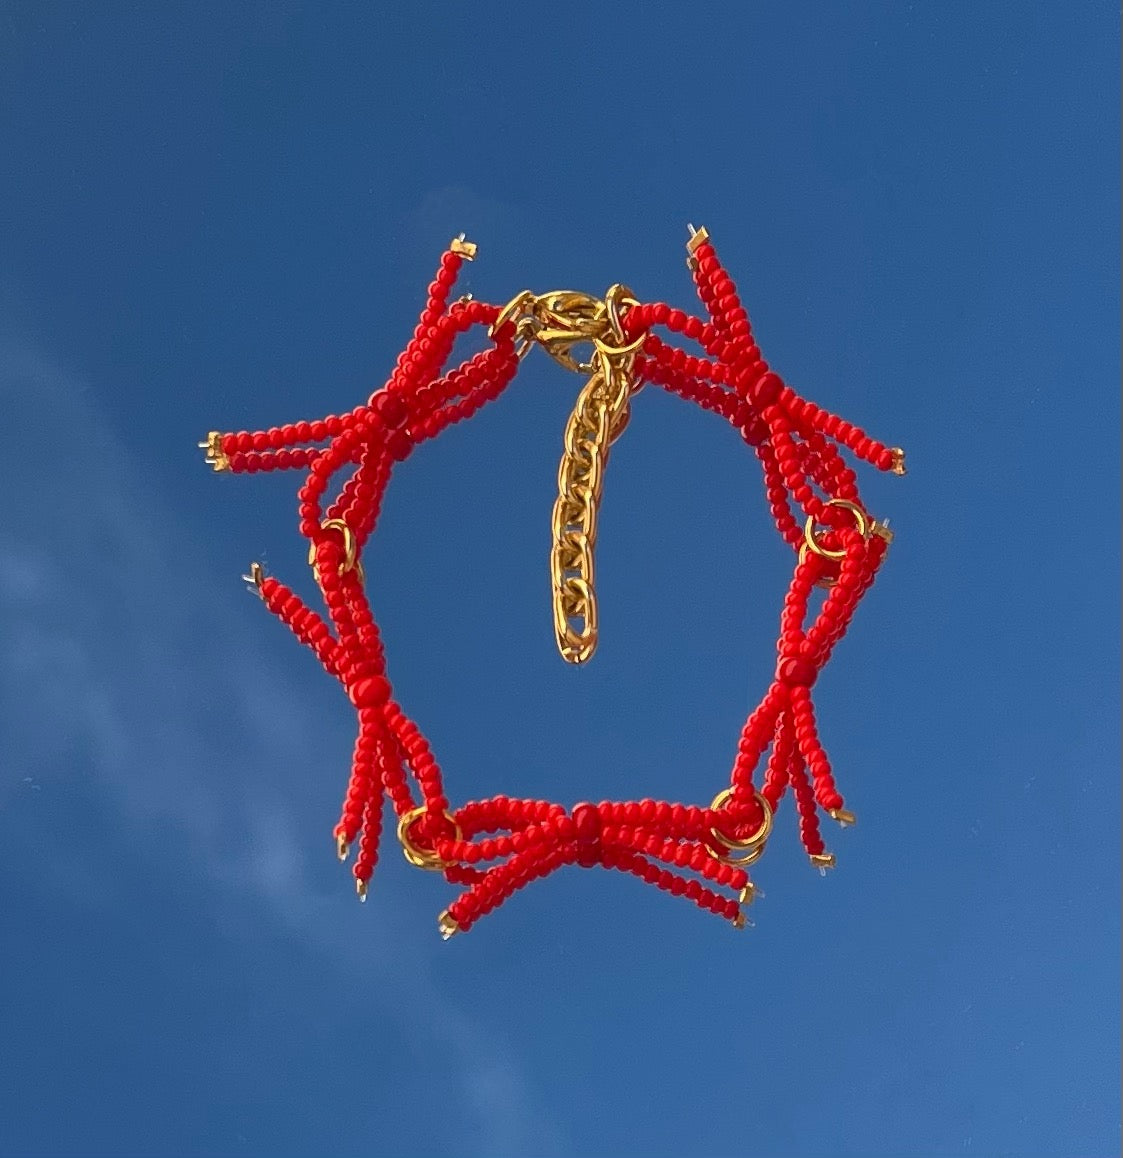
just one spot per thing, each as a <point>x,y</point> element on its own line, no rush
<point>492,848</point>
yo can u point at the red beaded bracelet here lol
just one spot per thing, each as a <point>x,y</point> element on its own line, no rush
<point>837,545</point>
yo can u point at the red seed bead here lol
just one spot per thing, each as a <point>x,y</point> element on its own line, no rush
<point>399,445</point>
<point>755,431</point>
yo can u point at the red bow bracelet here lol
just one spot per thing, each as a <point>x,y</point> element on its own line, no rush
<point>837,545</point>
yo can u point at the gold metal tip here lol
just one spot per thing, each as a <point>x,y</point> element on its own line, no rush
<point>256,577</point>
<point>823,860</point>
<point>216,457</point>
<point>466,249</point>
<point>899,461</point>
<point>464,299</point>
<point>361,889</point>
<point>342,848</point>
<point>843,816</point>
<point>740,921</point>
<point>698,237</point>
<point>881,530</point>
<point>447,925</point>
<point>749,894</point>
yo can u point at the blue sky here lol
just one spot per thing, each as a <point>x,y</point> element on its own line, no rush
<point>225,215</point>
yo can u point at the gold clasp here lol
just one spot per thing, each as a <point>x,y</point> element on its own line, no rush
<point>559,321</point>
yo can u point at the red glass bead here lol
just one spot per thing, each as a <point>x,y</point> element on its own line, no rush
<point>796,672</point>
<point>399,445</point>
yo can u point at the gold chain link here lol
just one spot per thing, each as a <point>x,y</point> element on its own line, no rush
<point>559,321</point>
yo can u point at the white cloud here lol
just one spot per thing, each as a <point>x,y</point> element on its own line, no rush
<point>106,620</point>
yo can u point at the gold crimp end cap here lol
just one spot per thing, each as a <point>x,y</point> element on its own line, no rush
<point>898,461</point>
<point>823,860</point>
<point>881,530</point>
<point>361,890</point>
<point>446,924</point>
<point>255,577</point>
<point>698,237</point>
<point>216,456</point>
<point>466,249</point>
<point>342,848</point>
<point>843,816</point>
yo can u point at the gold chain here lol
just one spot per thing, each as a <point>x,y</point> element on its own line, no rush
<point>558,321</point>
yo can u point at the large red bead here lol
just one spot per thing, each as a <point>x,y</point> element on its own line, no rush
<point>796,672</point>
<point>369,692</point>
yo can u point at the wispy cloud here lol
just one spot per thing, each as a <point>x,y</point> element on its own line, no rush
<point>108,622</point>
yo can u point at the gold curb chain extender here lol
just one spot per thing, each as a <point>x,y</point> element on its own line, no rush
<point>558,321</point>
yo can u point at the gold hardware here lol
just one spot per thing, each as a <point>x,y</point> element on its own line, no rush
<point>342,848</point>
<point>740,921</point>
<point>843,817</point>
<point>881,530</point>
<point>350,551</point>
<point>256,577</point>
<point>216,456</point>
<point>751,846</point>
<point>361,890</point>
<point>698,237</point>
<point>559,321</point>
<point>823,861</point>
<point>422,858</point>
<point>447,926</point>
<point>750,857</point>
<point>514,310</point>
<point>466,249</point>
<point>758,837</point>
<point>860,517</point>
<point>898,461</point>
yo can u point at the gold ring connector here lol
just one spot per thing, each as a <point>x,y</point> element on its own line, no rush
<point>350,550</point>
<point>420,857</point>
<point>813,544</point>
<point>753,845</point>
